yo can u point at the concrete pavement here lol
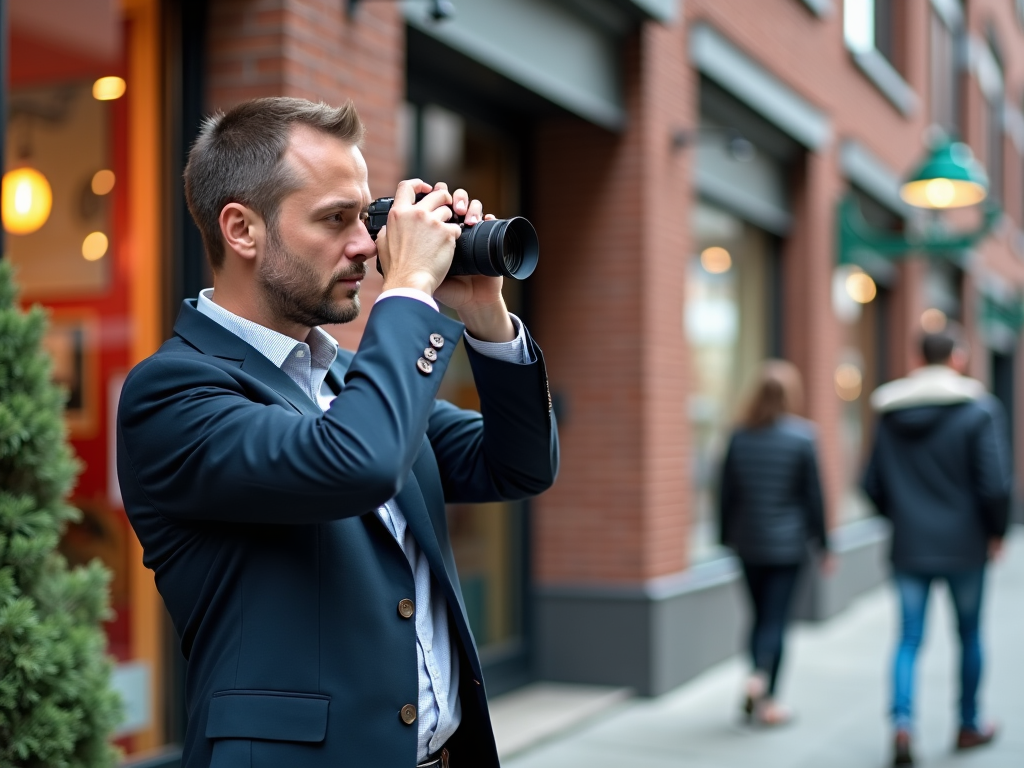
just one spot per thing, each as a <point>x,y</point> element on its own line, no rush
<point>836,678</point>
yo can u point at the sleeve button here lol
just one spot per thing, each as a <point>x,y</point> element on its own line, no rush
<point>431,354</point>
<point>425,366</point>
<point>436,340</point>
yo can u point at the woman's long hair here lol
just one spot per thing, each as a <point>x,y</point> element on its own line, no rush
<point>779,390</point>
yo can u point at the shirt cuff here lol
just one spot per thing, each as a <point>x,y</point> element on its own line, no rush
<point>515,351</point>
<point>409,293</point>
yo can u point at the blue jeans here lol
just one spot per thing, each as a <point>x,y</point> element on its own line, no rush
<point>966,590</point>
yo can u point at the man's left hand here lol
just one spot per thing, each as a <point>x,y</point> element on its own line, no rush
<point>477,298</point>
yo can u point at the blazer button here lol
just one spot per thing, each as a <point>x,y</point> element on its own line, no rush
<point>406,608</point>
<point>425,366</point>
<point>408,714</point>
<point>431,354</point>
<point>436,340</point>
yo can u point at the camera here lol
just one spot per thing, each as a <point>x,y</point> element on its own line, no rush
<point>505,247</point>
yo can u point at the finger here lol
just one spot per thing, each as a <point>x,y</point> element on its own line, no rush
<point>460,202</point>
<point>383,254</point>
<point>490,217</point>
<point>408,189</point>
<point>436,199</point>
<point>475,212</point>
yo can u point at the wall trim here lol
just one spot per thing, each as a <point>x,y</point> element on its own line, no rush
<point>733,69</point>
<point>579,70</point>
<point>885,77</point>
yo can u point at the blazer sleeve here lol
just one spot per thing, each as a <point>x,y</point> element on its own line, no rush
<point>194,445</point>
<point>509,450</point>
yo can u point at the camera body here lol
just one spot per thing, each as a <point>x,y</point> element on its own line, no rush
<point>498,247</point>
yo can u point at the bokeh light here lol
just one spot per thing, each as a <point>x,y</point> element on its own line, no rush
<point>103,182</point>
<point>848,381</point>
<point>108,88</point>
<point>933,320</point>
<point>94,247</point>
<point>861,287</point>
<point>716,260</point>
<point>26,201</point>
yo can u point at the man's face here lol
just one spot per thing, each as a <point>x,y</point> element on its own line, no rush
<point>315,254</point>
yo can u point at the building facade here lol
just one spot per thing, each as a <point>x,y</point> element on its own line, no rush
<point>684,164</point>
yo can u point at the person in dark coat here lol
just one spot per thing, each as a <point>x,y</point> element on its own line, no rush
<point>940,471</point>
<point>771,509</point>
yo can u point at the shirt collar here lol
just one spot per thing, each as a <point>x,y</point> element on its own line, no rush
<point>276,347</point>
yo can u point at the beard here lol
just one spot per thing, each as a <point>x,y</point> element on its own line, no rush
<point>295,292</point>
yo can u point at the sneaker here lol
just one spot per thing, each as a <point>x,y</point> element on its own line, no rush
<point>969,738</point>
<point>903,755</point>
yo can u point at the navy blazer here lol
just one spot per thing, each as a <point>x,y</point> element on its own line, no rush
<point>256,511</point>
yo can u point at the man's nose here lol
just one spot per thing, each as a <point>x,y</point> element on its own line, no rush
<point>363,247</point>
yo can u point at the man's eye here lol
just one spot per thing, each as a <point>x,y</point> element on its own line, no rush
<point>335,217</point>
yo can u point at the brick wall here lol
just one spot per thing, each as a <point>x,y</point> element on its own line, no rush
<point>312,49</point>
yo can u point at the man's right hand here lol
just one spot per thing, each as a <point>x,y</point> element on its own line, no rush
<point>416,246</point>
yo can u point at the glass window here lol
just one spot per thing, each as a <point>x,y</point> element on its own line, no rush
<point>488,540</point>
<point>871,25</point>
<point>730,324</point>
<point>77,139</point>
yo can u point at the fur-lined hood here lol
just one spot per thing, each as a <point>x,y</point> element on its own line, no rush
<point>930,385</point>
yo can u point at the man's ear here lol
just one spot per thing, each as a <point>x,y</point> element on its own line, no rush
<point>242,230</point>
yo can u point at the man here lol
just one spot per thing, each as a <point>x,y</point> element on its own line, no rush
<point>940,471</point>
<point>290,495</point>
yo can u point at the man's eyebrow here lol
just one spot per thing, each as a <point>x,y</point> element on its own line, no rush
<point>341,204</point>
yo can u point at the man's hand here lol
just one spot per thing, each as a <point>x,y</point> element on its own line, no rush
<point>477,298</point>
<point>415,248</point>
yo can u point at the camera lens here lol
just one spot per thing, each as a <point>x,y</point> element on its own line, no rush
<point>518,248</point>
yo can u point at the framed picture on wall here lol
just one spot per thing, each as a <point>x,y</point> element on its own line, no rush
<point>71,342</point>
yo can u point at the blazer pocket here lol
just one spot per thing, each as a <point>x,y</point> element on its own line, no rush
<point>268,716</point>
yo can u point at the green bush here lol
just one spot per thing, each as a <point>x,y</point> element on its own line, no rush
<point>56,705</point>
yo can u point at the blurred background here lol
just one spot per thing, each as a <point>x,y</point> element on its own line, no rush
<point>714,183</point>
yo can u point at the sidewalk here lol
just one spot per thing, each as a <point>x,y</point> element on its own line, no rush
<point>836,679</point>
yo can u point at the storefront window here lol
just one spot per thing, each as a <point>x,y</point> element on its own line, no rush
<point>74,235</point>
<point>729,322</point>
<point>861,304</point>
<point>487,539</point>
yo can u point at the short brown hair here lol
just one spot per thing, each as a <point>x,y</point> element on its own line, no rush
<point>237,159</point>
<point>779,390</point>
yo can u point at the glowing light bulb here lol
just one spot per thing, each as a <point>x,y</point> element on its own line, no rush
<point>94,247</point>
<point>716,260</point>
<point>940,193</point>
<point>26,201</point>
<point>109,88</point>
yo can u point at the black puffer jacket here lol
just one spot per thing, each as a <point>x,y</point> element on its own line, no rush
<point>770,502</point>
<point>940,471</point>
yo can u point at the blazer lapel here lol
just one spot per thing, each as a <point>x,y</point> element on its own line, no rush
<point>410,502</point>
<point>259,367</point>
<point>212,339</point>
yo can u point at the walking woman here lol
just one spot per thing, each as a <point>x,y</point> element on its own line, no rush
<point>771,508</point>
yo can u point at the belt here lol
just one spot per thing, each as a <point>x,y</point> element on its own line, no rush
<point>439,760</point>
